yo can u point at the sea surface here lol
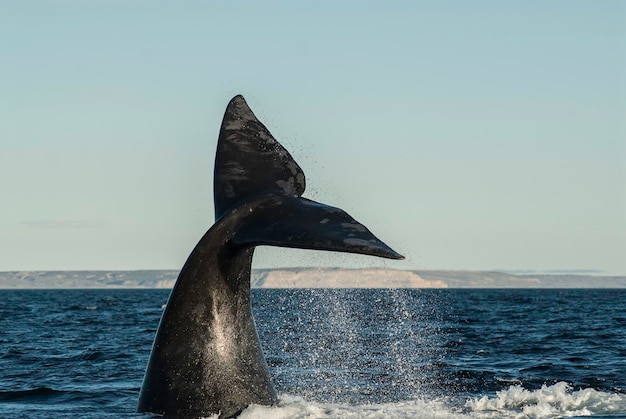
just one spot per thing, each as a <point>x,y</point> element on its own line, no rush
<point>336,353</point>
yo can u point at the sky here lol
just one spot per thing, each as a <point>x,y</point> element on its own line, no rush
<point>481,135</point>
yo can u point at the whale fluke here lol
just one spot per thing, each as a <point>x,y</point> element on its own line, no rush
<point>307,224</point>
<point>250,161</point>
<point>206,358</point>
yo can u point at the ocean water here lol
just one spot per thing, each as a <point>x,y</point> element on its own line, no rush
<point>344,353</point>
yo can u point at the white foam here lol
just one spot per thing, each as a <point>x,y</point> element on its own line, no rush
<point>558,400</point>
<point>293,407</point>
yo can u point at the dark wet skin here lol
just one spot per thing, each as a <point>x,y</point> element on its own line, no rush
<point>206,357</point>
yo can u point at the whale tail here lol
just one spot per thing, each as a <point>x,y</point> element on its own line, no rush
<point>206,358</point>
<point>251,165</point>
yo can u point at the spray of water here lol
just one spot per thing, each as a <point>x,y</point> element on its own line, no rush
<point>355,345</point>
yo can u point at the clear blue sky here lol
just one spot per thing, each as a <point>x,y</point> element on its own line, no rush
<point>467,135</point>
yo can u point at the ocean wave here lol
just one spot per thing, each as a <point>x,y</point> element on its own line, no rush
<point>293,407</point>
<point>38,395</point>
<point>558,400</point>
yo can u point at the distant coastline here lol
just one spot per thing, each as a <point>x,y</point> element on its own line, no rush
<point>314,278</point>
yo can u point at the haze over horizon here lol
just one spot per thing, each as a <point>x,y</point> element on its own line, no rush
<point>467,136</point>
<point>314,277</point>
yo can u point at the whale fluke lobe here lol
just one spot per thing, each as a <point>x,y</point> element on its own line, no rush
<point>307,224</point>
<point>206,358</point>
<point>250,161</point>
